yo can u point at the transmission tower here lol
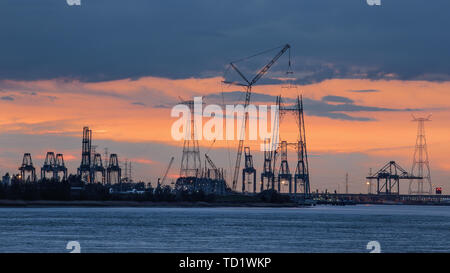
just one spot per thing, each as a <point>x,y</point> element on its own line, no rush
<point>421,165</point>
<point>301,176</point>
<point>302,170</point>
<point>190,161</point>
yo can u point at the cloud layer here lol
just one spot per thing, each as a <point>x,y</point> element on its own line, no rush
<point>334,107</point>
<point>132,118</point>
<point>111,39</point>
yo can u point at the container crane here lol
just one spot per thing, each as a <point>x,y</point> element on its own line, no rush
<point>248,84</point>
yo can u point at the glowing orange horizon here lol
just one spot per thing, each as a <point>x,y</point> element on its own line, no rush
<point>127,110</point>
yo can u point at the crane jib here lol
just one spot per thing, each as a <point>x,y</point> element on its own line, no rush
<point>247,101</point>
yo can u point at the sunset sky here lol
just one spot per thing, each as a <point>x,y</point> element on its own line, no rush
<point>363,73</point>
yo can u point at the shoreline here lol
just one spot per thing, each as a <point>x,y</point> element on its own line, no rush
<point>144,204</point>
<point>4,203</point>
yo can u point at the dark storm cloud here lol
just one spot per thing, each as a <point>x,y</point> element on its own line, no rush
<point>341,116</point>
<point>9,98</point>
<point>340,111</point>
<point>112,39</point>
<point>339,99</point>
<point>162,106</point>
<point>320,108</point>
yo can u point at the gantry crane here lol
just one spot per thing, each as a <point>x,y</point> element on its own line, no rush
<point>248,84</point>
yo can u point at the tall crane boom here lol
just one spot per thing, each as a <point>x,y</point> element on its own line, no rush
<point>247,101</point>
<point>211,163</point>
<point>269,65</point>
<point>167,171</point>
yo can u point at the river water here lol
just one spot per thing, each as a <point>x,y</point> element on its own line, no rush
<point>316,229</point>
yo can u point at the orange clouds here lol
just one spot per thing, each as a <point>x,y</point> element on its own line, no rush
<point>124,110</point>
<point>142,160</point>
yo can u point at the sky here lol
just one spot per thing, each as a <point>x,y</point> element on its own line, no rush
<point>120,66</point>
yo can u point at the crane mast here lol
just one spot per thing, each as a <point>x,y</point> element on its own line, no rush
<point>247,101</point>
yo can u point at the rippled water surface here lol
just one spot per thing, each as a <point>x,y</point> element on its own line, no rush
<point>317,229</point>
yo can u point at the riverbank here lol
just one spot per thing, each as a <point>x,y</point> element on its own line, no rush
<point>47,203</point>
